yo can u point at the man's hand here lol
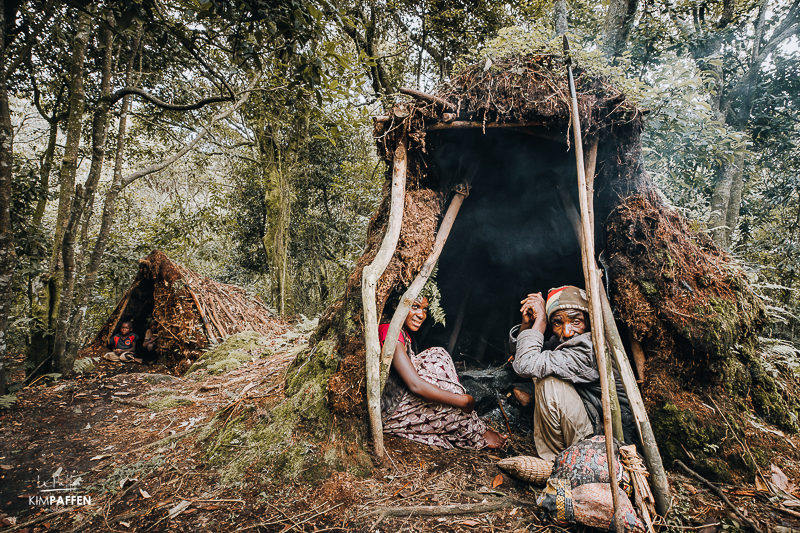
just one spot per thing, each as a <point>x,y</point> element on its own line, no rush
<point>532,311</point>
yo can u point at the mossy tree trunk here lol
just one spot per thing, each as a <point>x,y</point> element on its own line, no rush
<point>279,147</point>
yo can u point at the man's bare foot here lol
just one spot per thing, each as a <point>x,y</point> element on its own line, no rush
<point>495,439</point>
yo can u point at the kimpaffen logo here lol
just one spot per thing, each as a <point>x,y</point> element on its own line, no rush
<point>59,490</point>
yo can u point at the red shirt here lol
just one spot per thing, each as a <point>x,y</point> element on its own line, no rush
<point>124,342</point>
<point>383,329</point>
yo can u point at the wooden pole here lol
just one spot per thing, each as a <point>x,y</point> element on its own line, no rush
<point>593,285</point>
<point>369,281</point>
<point>575,219</point>
<point>416,286</point>
<point>652,456</point>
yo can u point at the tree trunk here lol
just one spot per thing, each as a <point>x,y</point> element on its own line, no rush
<point>617,26</point>
<point>8,256</point>
<point>44,177</point>
<point>46,290</point>
<point>66,343</point>
<point>560,17</point>
<point>279,163</point>
<point>69,164</point>
<point>718,221</point>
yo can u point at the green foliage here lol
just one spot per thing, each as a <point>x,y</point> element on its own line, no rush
<point>85,364</point>
<point>431,292</point>
<point>8,401</point>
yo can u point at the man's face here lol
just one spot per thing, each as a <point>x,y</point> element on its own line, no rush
<point>125,328</point>
<point>567,323</point>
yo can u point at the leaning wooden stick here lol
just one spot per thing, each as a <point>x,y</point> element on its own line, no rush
<point>369,281</point>
<point>393,333</point>
<point>651,454</point>
<point>649,447</point>
<point>575,219</point>
<point>593,284</point>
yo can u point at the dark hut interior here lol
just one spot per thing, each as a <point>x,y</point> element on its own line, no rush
<point>511,237</point>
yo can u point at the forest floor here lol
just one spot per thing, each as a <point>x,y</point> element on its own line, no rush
<point>128,435</point>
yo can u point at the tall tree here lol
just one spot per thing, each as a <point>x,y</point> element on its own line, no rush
<point>20,26</point>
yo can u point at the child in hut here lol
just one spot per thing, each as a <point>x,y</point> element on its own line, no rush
<point>123,344</point>
<point>149,344</point>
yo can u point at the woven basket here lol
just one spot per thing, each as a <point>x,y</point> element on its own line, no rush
<point>531,469</point>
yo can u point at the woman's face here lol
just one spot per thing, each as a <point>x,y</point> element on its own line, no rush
<point>417,314</point>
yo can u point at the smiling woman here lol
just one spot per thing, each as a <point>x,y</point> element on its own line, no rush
<point>423,399</point>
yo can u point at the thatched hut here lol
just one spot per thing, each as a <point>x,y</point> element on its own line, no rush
<point>192,311</point>
<point>504,130</point>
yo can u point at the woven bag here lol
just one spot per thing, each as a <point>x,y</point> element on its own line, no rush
<point>526,468</point>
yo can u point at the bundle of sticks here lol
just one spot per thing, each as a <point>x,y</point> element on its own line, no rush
<point>643,498</point>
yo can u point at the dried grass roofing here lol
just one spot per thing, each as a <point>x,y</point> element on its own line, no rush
<point>528,91</point>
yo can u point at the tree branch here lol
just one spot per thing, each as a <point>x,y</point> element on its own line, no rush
<point>30,41</point>
<point>431,50</point>
<point>127,180</point>
<point>788,28</point>
<point>193,51</point>
<point>118,95</point>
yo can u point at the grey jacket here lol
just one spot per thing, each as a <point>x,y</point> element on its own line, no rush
<point>572,361</point>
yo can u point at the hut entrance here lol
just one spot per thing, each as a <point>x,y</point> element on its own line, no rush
<point>511,237</point>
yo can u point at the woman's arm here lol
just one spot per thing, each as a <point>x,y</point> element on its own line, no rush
<point>427,391</point>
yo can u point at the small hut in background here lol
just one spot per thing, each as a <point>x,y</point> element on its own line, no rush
<point>192,311</point>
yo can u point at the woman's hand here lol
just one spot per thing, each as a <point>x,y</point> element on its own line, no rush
<point>469,404</point>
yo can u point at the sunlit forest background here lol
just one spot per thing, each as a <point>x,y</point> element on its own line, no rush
<point>236,136</point>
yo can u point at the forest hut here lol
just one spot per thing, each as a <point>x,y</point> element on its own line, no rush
<point>500,132</point>
<point>192,311</point>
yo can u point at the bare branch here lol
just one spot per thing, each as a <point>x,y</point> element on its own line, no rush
<point>117,96</point>
<point>127,180</point>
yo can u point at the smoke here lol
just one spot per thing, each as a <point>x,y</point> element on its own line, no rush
<point>511,236</point>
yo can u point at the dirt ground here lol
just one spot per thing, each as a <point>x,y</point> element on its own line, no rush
<point>128,435</point>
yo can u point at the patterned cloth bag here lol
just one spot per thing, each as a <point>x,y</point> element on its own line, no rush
<point>578,490</point>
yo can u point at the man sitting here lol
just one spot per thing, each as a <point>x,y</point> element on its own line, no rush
<point>568,407</point>
<point>123,344</point>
